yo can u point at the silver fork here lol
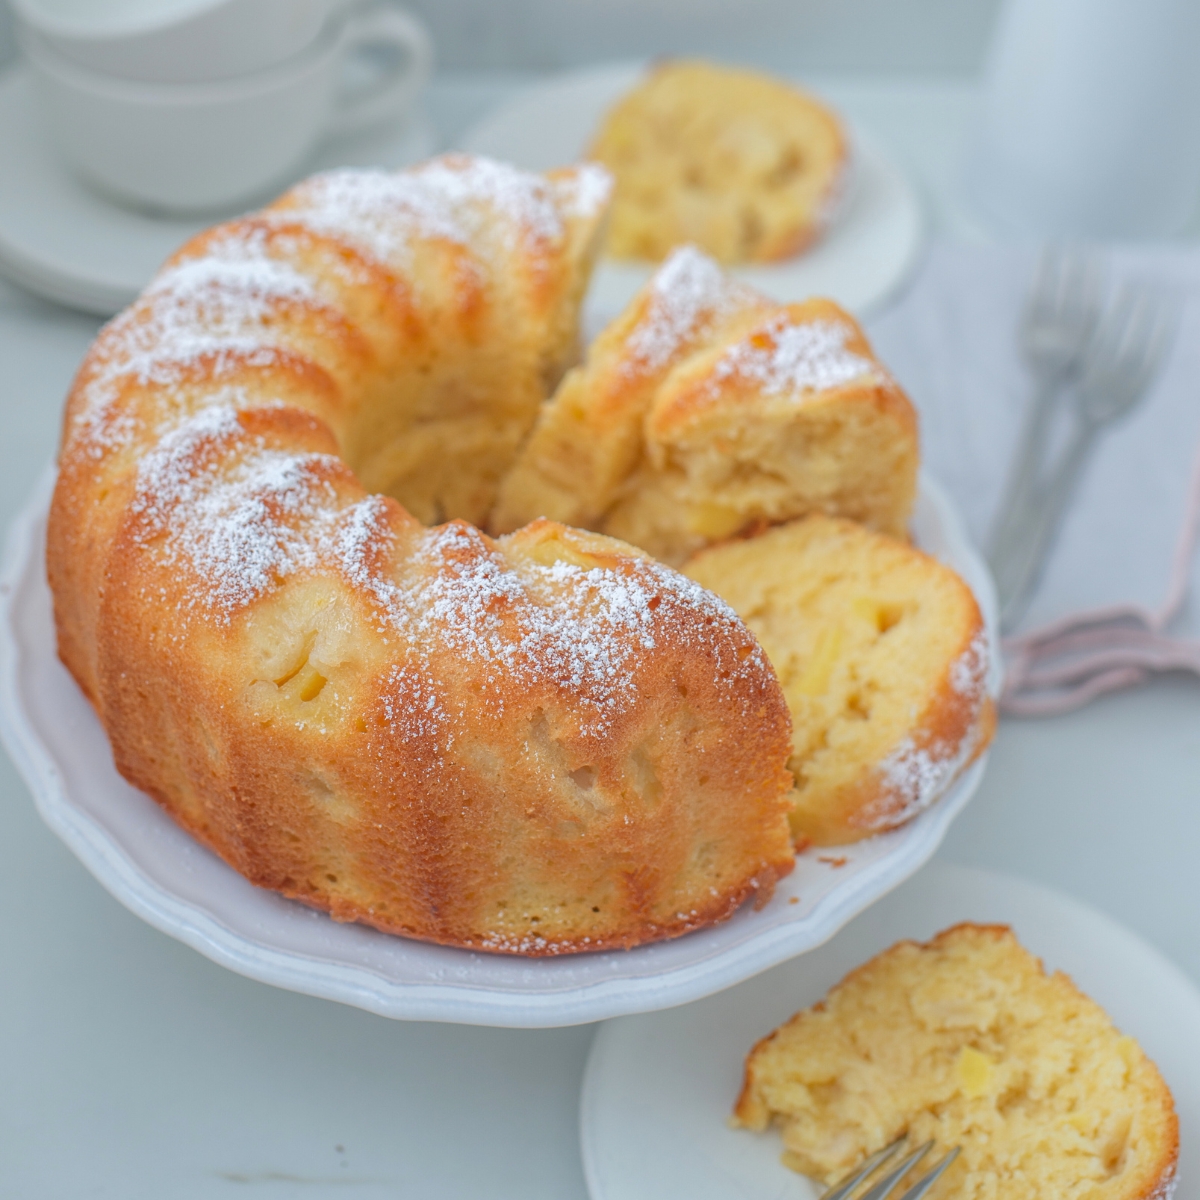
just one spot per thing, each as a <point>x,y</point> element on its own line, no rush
<point>1120,360</point>
<point>886,1184</point>
<point>1059,317</point>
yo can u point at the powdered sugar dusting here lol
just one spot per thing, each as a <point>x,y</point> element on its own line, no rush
<point>526,943</point>
<point>782,357</point>
<point>586,190</point>
<point>217,306</point>
<point>467,201</point>
<point>688,292</point>
<point>1167,1185</point>
<point>244,525</point>
<point>581,628</point>
<point>220,305</point>
<point>916,776</point>
<point>968,672</point>
<point>233,518</point>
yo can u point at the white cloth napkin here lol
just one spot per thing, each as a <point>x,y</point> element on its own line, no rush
<point>952,343</point>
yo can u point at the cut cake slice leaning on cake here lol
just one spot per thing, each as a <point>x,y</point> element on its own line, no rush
<point>883,659</point>
<point>706,410</point>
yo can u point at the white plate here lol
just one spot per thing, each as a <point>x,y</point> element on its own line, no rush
<point>659,1088</point>
<point>65,243</point>
<point>153,867</point>
<point>863,258</point>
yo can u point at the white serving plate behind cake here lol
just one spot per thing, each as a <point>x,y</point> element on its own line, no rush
<point>159,872</point>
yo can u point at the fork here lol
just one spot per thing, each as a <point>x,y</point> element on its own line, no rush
<point>886,1184</point>
<point>1059,317</point>
<point>1120,359</point>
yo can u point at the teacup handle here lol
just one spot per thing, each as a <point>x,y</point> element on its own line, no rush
<point>396,88</point>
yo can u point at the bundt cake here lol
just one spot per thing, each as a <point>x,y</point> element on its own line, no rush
<point>706,410</point>
<point>745,166</point>
<point>966,1040</point>
<point>541,744</point>
<point>882,656</point>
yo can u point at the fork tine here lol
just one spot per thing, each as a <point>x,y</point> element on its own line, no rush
<point>1116,342</point>
<point>884,1188</point>
<point>1081,283</point>
<point>919,1188</point>
<point>1129,343</point>
<point>1049,285</point>
<point>1139,327</point>
<point>1066,290</point>
<point>1163,321</point>
<point>841,1190</point>
<point>1108,338</point>
<point>1053,283</point>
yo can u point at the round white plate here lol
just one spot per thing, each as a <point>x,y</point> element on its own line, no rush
<point>153,867</point>
<point>65,243</point>
<point>864,257</point>
<point>659,1088</point>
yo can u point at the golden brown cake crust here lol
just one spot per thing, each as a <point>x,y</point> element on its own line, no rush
<point>542,744</point>
<point>967,1041</point>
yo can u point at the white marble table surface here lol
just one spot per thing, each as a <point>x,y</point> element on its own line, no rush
<point>131,1067</point>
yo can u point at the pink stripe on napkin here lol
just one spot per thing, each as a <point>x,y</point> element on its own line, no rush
<point>1067,663</point>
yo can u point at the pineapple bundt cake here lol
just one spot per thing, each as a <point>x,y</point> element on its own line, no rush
<point>966,1041</point>
<point>543,743</point>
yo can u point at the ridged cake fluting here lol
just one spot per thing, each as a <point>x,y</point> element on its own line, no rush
<point>539,744</point>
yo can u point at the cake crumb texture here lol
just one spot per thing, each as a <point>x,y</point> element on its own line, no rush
<point>883,658</point>
<point>967,1041</point>
<point>747,167</point>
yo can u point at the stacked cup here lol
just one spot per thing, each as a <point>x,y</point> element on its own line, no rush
<point>194,106</point>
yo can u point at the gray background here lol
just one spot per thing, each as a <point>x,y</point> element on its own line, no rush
<point>902,36</point>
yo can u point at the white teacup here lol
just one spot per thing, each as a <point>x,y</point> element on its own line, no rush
<point>175,41</point>
<point>200,148</point>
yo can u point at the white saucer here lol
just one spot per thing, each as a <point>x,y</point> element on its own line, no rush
<point>659,1088</point>
<point>64,242</point>
<point>158,871</point>
<point>861,261</point>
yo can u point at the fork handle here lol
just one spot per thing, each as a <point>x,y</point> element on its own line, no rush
<point>1022,487</point>
<point>1018,570</point>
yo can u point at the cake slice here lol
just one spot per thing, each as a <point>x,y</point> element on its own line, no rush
<point>589,438</point>
<point>705,410</point>
<point>749,167</point>
<point>882,655</point>
<point>967,1041</point>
